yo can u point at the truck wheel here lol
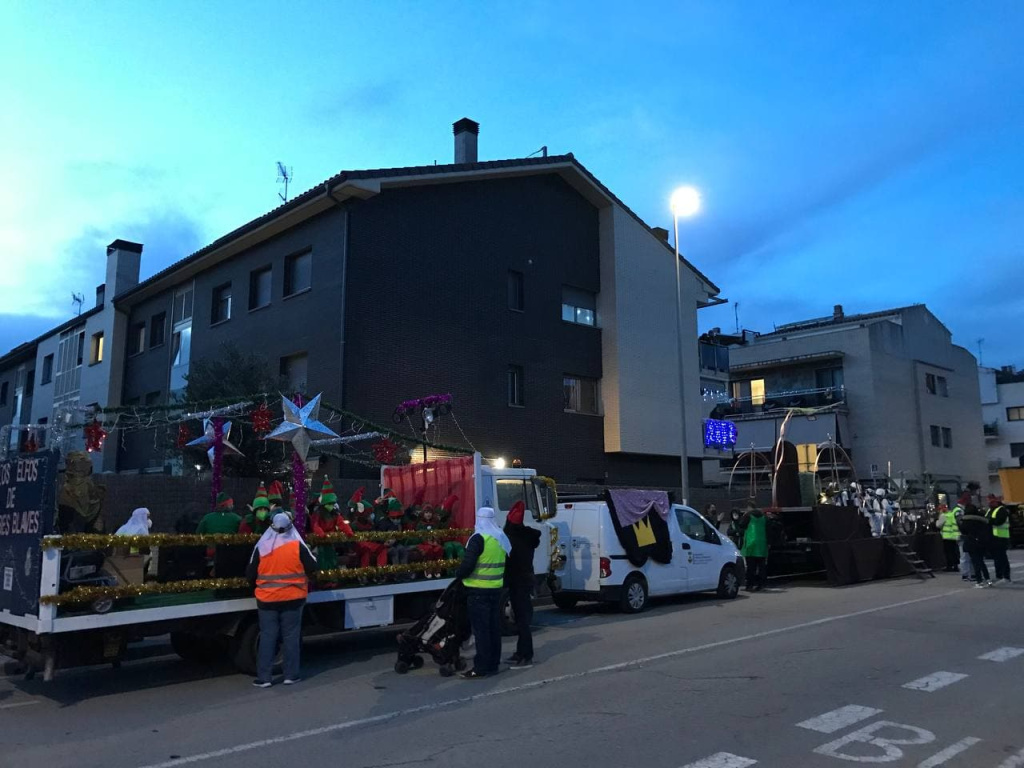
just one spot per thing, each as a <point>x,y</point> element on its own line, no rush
<point>563,601</point>
<point>245,647</point>
<point>728,583</point>
<point>198,648</point>
<point>633,597</point>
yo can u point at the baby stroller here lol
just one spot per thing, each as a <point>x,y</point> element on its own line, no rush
<point>440,633</point>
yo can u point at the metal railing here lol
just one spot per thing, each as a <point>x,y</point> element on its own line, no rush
<point>778,401</point>
<point>992,429</point>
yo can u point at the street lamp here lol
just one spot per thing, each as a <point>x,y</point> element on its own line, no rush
<point>685,202</point>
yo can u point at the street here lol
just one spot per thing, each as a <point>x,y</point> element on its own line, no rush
<point>903,672</point>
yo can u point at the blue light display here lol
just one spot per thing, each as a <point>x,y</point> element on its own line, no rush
<point>719,434</point>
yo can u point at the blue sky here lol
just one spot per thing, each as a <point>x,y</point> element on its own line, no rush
<point>868,153</point>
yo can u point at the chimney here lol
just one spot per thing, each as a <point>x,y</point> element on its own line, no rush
<point>837,313</point>
<point>123,260</point>
<point>466,132</point>
<point>661,233</point>
<point>101,290</point>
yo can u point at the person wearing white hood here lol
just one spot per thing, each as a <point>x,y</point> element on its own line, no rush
<point>280,566</point>
<point>482,572</point>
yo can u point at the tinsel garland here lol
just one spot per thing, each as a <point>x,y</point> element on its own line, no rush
<point>80,595</point>
<point>103,541</point>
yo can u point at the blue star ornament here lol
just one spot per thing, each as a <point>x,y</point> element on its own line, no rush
<point>209,438</point>
<point>301,425</point>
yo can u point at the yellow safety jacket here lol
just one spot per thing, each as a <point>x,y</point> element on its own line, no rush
<point>489,572</point>
<point>999,531</point>
<point>950,530</point>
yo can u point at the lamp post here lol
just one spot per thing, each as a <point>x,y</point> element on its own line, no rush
<point>685,202</point>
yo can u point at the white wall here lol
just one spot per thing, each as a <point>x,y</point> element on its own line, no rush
<point>998,449</point>
<point>640,383</point>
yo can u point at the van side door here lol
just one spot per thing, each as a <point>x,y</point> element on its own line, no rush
<point>703,556</point>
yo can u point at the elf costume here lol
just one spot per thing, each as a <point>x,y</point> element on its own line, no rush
<point>454,548</point>
<point>390,516</point>
<point>430,549</point>
<point>258,519</point>
<point>361,514</point>
<point>276,496</point>
<point>325,519</point>
<point>223,518</point>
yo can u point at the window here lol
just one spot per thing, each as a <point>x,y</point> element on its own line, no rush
<point>181,306</point>
<point>929,383</point>
<point>714,357</point>
<point>828,378</point>
<point>1015,414</point>
<point>298,273</point>
<point>579,306</point>
<point>221,309</point>
<point>942,386</point>
<point>1016,450</point>
<point>695,527</point>
<point>30,382</point>
<point>157,329</point>
<point>3,392</point>
<point>152,398</point>
<point>581,395</point>
<point>936,436</point>
<point>515,386</point>
<point>259,288</point>
<point>511,490</point>
<point>757,392</point>
<point>294,371</point>
<point>515,290</point>
<point>137,339</point>
<point>947,437</point>
<point>96,349</point>
<point>47,369</point>
<point>81,347</point>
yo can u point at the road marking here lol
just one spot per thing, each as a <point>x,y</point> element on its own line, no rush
<point>1002,654</point>
<point>935,682</point>
<point>866,735</point>
<point>1013,761</point>
<point>15,704</point>
<point>838,719</point>
<point>722,760</point>
<point>387,716</point>
<point>949,752</point>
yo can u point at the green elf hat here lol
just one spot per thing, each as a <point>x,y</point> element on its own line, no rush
<point>224,502</point>
<point>394,507</point>
<point>261,501</point>
<point>276,493</point>
<point>328,497</point>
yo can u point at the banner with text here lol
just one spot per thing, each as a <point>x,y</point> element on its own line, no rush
<point>27,510</point>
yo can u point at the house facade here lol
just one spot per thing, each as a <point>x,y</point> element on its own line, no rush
<point>523,287</point>
<point>1002,404</point>
<point>889,389</point>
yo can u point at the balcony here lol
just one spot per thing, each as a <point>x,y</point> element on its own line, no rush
<point>991,430</point>
<point>774,402</point>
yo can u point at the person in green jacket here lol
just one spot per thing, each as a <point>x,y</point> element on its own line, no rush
<point>755,547</point>
<point>223,518</point>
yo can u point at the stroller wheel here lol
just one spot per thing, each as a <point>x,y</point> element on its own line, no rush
<point>417,662</point>
<point>446,670</point>
<point>401,667</point>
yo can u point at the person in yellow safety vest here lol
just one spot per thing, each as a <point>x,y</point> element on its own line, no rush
<point>482,572</point>
<point>950,530</point>
<point>999,518</point>
<point>280,566</point>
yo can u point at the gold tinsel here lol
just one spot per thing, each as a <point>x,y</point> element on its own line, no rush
<point>103,541</point>
<point>80,595</point>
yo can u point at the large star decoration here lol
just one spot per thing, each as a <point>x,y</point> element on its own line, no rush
<point>209,439</point>
<point>301,425</point>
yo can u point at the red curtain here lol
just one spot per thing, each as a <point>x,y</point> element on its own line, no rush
<point>440,479</point>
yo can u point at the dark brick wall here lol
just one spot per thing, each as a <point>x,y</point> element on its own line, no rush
<point>428,313</point>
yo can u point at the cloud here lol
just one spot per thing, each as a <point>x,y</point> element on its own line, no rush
<point>372,100</point>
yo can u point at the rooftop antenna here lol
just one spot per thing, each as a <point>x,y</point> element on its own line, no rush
<point>736,312</point>
<point>543,152</point>
<point>981,360</point>
<point>284,175</point>
<point>78,299</point>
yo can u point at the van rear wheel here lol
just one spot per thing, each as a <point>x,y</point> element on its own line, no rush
<point>633,597</point>
<point>728,583</point>
<point>563,601</point>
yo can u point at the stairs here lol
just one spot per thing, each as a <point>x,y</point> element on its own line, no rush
<point>907,553</point>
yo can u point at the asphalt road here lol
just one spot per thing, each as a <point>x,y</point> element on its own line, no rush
<point>905,673</point>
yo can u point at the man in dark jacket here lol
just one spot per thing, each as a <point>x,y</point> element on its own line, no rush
<point>519,581</point>
<point>999,543</point>
<point>976,531</point>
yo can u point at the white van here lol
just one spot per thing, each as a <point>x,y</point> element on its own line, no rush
<point>596,567</point>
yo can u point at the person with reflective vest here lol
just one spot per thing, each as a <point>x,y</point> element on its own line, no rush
<point>977,530</point>
<point>949,528</point>
<point>280,566</point>
<point>999,518</point>
<point>482,572</point>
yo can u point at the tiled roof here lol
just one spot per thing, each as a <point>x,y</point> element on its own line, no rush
<point>826,322</point>
<point>382,173</point>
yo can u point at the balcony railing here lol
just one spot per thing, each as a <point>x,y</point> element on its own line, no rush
<point>994,464</point>
<point>992,429</point>
<point>780,401</point>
